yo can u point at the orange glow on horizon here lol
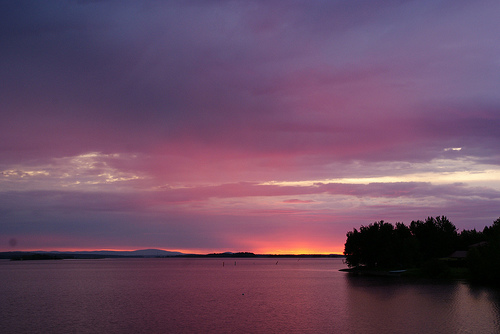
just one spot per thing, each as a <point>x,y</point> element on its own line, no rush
<point>300,251</point>
<point>273,250</point>
<point>284,249</point>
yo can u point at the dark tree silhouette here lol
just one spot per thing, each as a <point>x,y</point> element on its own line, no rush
<point>406,246</point>
<point>466,238</point>
<point>423,244</point>
<point>380,245</point>
<point>484,260</point>
<point>437,237</point>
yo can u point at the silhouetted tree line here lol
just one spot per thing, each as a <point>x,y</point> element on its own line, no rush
<point>383,245</point>
<point>484,260</point>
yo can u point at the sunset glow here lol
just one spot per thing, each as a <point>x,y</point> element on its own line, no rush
<point>243,126</point>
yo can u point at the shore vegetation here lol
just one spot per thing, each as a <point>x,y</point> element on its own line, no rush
<point>430,248</point>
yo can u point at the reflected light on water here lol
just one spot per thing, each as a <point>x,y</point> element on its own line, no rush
<point>228,295</point>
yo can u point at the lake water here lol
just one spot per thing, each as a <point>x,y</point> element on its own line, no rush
<point>264,295</point>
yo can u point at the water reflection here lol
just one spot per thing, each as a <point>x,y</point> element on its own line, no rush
<point>477,308</point>
<point>395,305</point>
<point>255,296</point>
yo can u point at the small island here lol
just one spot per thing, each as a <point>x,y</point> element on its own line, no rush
<point>431,248</point>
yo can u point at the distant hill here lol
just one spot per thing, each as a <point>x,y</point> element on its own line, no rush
<point>155,252</point>
<point>42,255</point>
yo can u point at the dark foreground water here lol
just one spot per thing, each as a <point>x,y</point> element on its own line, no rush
<point>253,296</point>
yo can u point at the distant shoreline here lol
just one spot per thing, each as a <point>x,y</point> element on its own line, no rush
<point>55,255</point>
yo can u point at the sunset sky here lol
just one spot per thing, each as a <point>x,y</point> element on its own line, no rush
<point>260,126</point>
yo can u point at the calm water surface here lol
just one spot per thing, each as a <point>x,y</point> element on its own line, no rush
<point>254,296</point>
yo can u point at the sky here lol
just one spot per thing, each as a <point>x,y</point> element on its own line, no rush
<point>260,126</point>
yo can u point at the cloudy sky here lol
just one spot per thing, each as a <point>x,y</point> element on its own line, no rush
<point>262,126</point>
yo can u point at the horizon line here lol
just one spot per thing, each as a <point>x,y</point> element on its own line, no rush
<point>163,250</point>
